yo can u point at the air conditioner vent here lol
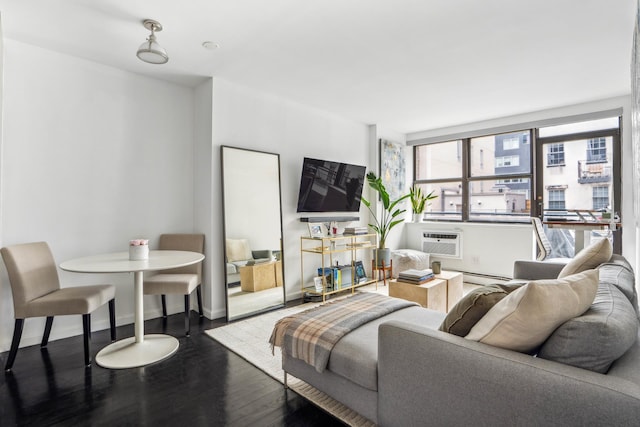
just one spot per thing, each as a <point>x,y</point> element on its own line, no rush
<point>442,243</point>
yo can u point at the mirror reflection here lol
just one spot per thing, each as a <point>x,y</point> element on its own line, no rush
<point>252,231</point>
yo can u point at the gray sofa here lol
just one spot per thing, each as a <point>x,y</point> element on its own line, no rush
<point>400,370</point>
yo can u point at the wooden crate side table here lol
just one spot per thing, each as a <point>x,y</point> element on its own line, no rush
<point>278,269</point>
<point>432,294</point>
<point>454,287</point>
<point>257,277</point>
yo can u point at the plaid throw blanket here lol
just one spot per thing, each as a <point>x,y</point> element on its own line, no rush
<point>311,335</point>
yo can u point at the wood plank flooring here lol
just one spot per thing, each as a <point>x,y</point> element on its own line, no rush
<point>203,384</point>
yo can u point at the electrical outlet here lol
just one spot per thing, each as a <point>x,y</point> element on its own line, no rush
<point>475,260</point>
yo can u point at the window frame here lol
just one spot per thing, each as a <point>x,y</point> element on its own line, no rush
<point>537,163</point>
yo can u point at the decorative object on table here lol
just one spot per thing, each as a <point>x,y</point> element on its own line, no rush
<point>419,202</point>
<point>317,230</point>
<point>392,167</point>
<point>138,249</point>
<point>436,267</point>
<point>390,217</point>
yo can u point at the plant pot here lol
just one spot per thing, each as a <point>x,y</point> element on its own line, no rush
<point>418,217</point>
<point>382,255</point>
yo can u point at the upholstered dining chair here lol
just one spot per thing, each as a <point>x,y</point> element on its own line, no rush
<point>544,245</point>
<point>36,290</point>
<point>183,280</point>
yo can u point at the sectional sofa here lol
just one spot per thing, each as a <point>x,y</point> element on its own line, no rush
<point>401,370</point>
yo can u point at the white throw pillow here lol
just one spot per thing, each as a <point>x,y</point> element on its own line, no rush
<point>528,316</point>
<point>588,258</point>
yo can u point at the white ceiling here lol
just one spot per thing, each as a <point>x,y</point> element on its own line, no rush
<point>408,65</point>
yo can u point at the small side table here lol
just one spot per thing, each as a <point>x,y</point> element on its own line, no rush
<point>454,286</point>
<point>382,268</point>
<point>432,294</point>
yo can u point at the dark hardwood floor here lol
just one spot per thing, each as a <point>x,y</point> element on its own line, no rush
<point>203,384</point>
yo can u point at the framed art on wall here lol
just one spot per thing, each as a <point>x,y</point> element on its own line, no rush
<point>392,168</point>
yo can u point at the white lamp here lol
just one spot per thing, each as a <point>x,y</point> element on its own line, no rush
<point>150,51</point>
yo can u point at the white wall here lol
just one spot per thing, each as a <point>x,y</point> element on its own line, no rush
<point>487,249</point>
<point>246,118</point>
<point>92,157</point>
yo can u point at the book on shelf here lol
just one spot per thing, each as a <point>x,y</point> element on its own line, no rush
<point>355,230</point>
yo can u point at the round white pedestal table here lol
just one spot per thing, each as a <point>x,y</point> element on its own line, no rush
<point>141,349</point>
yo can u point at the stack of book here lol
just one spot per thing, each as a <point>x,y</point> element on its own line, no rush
<point>355,230</point>
<point>416,277</point>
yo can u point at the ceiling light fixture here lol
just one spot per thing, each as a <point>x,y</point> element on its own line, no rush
<point>150,51</point>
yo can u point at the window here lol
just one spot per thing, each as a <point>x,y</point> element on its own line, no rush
<point>505,161</point>
<point>555,154</point>
<point>597,150</point>
<point>438,167</point>
<point>491,178</point>
<point>556,199</point>
<point>511,143</point>
<point>600,197</point>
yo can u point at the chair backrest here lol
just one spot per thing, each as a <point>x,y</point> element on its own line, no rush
<point>32,273</point>
<point>183,242</point>
<point>544,245</point>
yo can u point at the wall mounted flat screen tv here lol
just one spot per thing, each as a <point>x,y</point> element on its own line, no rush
<point>328,186</point>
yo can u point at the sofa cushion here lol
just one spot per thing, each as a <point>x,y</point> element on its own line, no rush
<point>355,356</point>
<point>471,308</point>
<point>597,338</point>
<point>588,258</point>
<point>618,272</point>
<point>527,316</point>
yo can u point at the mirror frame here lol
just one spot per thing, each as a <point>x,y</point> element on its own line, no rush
<point>224,234</point>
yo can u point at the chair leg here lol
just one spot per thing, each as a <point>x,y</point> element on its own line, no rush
<point>164,306</point>
<point>47,331</point>
<point>199,293</point>
<point>86,328</point>
<point>17,334</point>
<point>112,318</point>
<point>187,322</point>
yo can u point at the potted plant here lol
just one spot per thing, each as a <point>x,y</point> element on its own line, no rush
<point>419,202</point>
<point>389,218</point>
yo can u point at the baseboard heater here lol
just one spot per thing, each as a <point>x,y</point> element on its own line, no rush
<point>445,244</point>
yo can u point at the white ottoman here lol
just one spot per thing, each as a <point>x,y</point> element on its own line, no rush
<point>405,259</point>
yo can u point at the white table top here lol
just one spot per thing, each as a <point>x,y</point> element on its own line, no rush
<point>118,262</point>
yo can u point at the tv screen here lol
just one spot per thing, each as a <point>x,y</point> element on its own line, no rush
<point>328,186</point>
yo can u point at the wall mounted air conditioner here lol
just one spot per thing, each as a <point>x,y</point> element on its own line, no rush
<point>446,244</point>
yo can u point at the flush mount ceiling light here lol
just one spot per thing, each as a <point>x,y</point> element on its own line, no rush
<point>150,51</point>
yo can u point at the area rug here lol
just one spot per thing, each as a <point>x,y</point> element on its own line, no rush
<point>250,340</point>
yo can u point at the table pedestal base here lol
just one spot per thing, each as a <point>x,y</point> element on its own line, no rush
<point>127,353</point>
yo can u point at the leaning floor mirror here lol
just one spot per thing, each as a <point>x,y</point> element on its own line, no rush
<point>252,215</point>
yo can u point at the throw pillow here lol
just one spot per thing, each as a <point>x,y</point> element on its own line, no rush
<point>618,272</point>
<point>588,258</point>
<point>597,338</point>
<point>238,250</point>
<point>527,316</point>
<point>475,304</point>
